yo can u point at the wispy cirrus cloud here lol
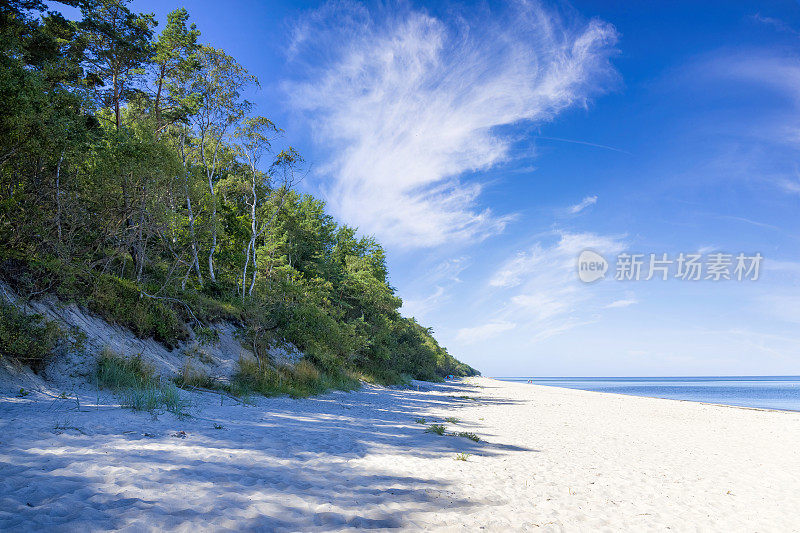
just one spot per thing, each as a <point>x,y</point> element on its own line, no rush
<point>583,204</point>
<point>625,302</point>
<point>484,331</point>
<point>406,103</point>
<point>539,291</point>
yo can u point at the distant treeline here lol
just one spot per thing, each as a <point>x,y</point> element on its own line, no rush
<point>137,180</point>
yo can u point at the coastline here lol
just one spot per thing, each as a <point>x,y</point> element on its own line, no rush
<point>518,380</point>
<point>549,459</point>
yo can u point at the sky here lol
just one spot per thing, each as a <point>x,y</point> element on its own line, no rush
<point>487,144</point>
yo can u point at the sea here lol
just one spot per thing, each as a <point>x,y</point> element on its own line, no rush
<point>766,392</point>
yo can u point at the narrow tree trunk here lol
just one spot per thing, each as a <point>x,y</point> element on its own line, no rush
<point>252,246</point>
<point>157,104</point>
<point>195,259</point>
<point>210,174</point>
<point>213,230</point>
<point>246,264</point>
<point>58,203</point>
<point>140,245</point>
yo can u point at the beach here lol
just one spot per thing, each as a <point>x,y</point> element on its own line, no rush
<point>548,459</point>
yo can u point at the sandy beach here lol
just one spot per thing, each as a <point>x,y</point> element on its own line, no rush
<point>548,459</point>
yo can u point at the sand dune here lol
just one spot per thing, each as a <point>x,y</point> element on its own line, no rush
<point>548,460</point>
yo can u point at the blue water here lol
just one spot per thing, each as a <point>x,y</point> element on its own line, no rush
<point>768,392</point>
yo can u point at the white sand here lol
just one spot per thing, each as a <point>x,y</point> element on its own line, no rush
<point>549,460</point>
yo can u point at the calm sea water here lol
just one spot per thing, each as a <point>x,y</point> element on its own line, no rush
<point>770,392</point>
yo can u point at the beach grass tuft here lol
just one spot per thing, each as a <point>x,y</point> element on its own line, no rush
<point>192,376</point>
<point>462,456</point>
<point>452,420</point>
<point>467,435</point>
<point>439,429</point>
<point>133,379</point>
<point>420,420</point>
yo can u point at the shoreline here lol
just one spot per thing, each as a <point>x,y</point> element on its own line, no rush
<point>512,380</point>
<point>548,458</point>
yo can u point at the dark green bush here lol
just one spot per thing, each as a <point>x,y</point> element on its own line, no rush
<point>27,338</point>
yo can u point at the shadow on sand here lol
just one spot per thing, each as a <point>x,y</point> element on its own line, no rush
<point>279,465</point>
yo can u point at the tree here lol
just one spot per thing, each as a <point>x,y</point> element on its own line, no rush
<point>117,45</point>
<point>255,136</point>
<point>218,83</point>
<point>175,60</point>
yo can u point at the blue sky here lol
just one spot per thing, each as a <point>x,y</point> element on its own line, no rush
<point>486,145</point>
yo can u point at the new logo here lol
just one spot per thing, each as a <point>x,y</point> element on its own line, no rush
<point>591,266</point>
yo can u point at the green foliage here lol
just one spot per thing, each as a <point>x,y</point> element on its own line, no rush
<point>438,429</point>
<point>467,435</point>
<point>452,420</point>
<point>420,420</point>
<point>154,396</point>
<point>461,456</point>
<point>138,389</point>
<point>117,373</point>
<point>207,335</point>
<point>28,338</point>
<point>119,301</point>
<point>136,180</point>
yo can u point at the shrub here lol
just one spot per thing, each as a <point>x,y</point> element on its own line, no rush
<point>119,301</point>
<point>206,335</point>
<point>27,338</point>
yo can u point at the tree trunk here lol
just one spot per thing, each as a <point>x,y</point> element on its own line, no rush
<point>195,260</point>
<point>58,203</point>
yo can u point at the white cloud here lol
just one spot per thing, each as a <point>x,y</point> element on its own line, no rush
<point>419,307</point>
<point>791,186</point>
<point>625,302</point>
<point>586,202</point>
<point>407,104</point>
<point>543,293</point>
<point>444,276</point>
<point>483,332</point>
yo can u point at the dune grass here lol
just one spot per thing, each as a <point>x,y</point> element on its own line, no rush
<point>452,420</point>
<point>439,429</point>
<point>136,385</point>
<point>461,456</point>
<point>467,435</point>
<point>192,376</point>
<point>300,381</point>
